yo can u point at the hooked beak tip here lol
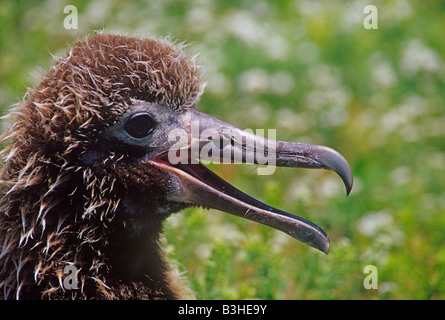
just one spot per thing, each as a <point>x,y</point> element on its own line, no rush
<point>333,160</point>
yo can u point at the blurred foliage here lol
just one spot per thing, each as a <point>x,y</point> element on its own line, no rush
<point>312,71</point>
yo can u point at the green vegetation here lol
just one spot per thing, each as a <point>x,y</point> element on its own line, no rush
<point>312,71</point>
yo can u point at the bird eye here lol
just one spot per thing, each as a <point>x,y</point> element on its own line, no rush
<point>139,126</point>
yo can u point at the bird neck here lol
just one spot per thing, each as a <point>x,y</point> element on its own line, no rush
<point>136,256</point>
<point>113,243</point>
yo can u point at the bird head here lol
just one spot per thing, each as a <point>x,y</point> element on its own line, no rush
<point>111,134</point>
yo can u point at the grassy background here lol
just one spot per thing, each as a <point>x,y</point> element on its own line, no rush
<point>312,71</point>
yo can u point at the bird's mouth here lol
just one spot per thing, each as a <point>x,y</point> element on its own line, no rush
<point>200,186</point>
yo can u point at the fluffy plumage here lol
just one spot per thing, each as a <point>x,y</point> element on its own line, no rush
<point>55,210</point>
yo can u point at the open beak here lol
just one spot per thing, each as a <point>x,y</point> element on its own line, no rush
<point>210,139</point>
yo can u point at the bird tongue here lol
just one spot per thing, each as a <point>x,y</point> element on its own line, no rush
<point>211,139</point>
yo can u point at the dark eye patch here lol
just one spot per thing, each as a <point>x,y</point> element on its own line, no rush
<point>139,126</point>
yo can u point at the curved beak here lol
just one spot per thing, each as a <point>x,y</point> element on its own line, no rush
<point>210,139</point>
